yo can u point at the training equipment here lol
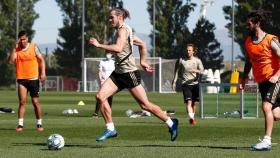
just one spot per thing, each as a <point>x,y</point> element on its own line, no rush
<point>55,142</point>
<point>158,81</point>
<point>174,129</point>
<point>242,104</point>
<point>107,134</point>
<point>129,112</point>
<point>81,103</point>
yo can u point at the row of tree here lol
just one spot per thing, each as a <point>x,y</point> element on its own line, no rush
<point>27,16</point>
<point>171,30</point>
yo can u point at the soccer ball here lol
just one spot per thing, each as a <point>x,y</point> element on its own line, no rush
<point>55,142</point>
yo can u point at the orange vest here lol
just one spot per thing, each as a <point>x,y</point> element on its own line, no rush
<point>26,63</point>
<point>265,62</point>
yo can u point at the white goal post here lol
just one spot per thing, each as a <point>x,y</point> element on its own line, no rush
<point>158,81</point>
<point>53,83</point>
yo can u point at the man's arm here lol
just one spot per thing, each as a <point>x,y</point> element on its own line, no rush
<point>247,69</point>
<point>113,48</point>
<point>176,72</point>
<point>276,48</point>
<point>42,64</point>
<point>12,57</point>
<point>143,52</point>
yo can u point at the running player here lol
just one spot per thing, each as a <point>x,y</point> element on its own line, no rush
<point>126,74</point>
<point>192,68</point>
<point>263,56</point>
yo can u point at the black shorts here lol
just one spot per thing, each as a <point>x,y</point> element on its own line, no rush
<point>126,80</point>
<point>270,92</point>
<point>190,92</point>
<point>32,86</point>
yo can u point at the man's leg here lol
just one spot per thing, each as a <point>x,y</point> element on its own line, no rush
<point>265,143</point>
<point>276,113</point>
<point>191,112</point>
<point>110,101</point>
<point>140,96</point>
<point>108,89</point>
<point>38,113</point>
<point>22,95</point>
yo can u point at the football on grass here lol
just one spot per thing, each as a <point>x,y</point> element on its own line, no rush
<point>55,142</point>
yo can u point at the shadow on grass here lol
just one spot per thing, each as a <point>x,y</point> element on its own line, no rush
<point>70,145</point>
<point>7,129</point>
<point>199,146</point>
<point>137,146</point>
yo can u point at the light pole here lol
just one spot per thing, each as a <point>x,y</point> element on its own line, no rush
<point>83,47</point>
<point>154,39</point>
<point>17,19</point>
<point>232,38</point>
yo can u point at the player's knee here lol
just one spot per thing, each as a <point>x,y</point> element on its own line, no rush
<point>98,97</point>
<point>146,106</point>
<point>22,102</point>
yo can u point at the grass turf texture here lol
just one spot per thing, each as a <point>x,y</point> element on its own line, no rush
<point>140,137</point>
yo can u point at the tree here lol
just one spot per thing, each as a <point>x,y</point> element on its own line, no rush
<point>69,50</point>
<point>171,31</point>
<point>209,51</point>
<point>242,8</point>
<point>27,16</point>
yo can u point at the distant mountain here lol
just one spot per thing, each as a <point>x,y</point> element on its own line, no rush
<point>50,47</point>
<point>221,35</point>
<point>226,44</point>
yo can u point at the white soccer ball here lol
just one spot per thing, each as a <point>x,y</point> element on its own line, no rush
<point>55,142</point>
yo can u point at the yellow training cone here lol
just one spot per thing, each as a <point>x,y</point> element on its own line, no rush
<point>81,103</point>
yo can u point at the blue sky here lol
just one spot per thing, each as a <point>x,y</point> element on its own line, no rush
<point>50,19</point>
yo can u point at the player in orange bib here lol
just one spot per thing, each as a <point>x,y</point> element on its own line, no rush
<point>30,67</point>
<point>263,56</point>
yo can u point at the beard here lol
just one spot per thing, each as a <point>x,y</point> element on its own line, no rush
<point>252,32</point>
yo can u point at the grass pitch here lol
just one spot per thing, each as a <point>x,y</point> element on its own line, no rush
<point>139,137</point>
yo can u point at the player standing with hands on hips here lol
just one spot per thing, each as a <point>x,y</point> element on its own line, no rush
<point>126,74</point>
<point>30,68</point>
<point>263,56</point>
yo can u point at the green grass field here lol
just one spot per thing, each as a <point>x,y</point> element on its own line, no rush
<point>139,137</point>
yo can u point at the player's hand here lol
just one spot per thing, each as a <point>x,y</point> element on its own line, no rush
<point>273,79</point>
<point>93,41</point>
<point>147,67</point>
<point>174,87</point>
<point>43,77</point>
<point>242,85</point>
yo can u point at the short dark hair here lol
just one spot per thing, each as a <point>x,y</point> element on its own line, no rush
<point>22,33</point>
<point>260,16</point>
